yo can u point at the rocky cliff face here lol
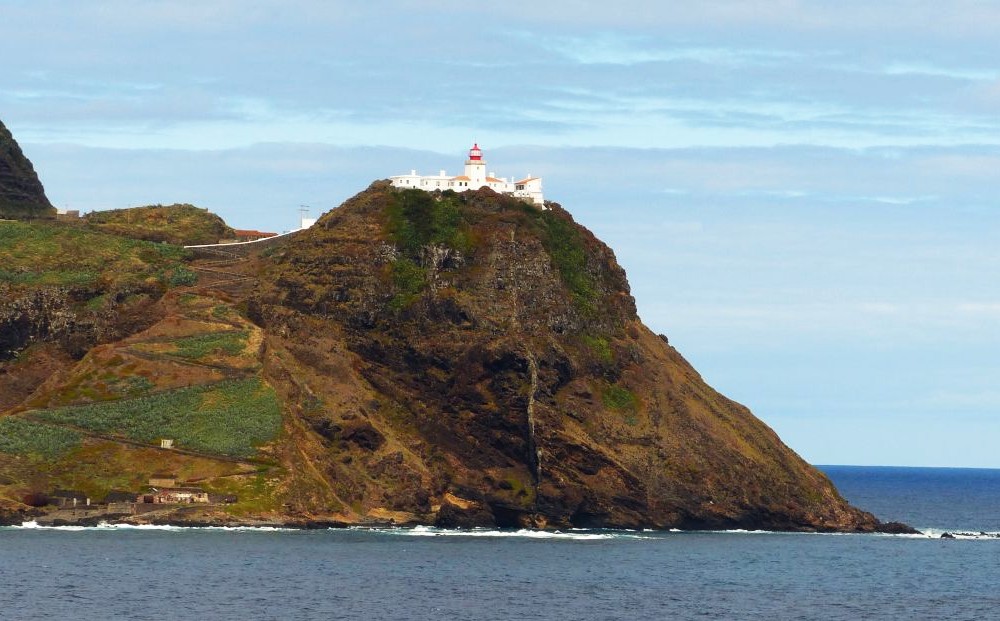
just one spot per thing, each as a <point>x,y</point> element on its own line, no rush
<point>21,193</point>
<point>413,358</point>
<point>469,360</point>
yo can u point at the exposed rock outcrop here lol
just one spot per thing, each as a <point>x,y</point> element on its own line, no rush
<point>21,193</point>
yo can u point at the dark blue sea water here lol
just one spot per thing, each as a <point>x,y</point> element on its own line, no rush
<point>115,573</point>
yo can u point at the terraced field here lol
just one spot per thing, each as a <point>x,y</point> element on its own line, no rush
<point>230,418</point>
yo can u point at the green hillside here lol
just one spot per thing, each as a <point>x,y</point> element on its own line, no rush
<point>184,225</point>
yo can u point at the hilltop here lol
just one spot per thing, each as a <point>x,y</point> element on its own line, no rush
<point>21,193</point>
<point>180,224</point>
<point>451,359</point>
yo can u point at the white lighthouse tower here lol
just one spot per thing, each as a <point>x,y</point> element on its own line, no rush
<point>475,168</point>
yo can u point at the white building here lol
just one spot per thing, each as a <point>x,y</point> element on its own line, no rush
<point>474,177</point>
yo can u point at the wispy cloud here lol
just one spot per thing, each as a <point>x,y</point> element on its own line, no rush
<point>797,73</point>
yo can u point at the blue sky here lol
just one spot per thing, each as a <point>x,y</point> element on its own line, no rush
<point>804,194</point>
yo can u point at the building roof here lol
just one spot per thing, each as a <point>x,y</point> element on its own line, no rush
<point>495,180</point>
<point>527,179</point>
<point>460,178</point>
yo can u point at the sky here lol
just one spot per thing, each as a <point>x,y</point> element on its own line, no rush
<point>803,193</point>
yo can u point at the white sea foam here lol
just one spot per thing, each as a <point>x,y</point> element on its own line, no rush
<point>567,535</point>
<point>938,533</point>
<point>105,526</point>
<point>585,535</point>
<point>524,533</point>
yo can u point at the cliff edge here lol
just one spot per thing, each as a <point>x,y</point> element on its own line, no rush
<point>21,193</point>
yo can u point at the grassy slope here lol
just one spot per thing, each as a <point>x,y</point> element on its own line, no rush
<point>40,254</point>
<point>175,224</point>
<point>229,418</point>
<point>194,377</point>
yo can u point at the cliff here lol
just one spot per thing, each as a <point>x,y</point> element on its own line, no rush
<point>21,193</point>
<point>450,359</point>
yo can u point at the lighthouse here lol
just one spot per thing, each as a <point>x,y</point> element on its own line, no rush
<point>475,167</point>
<point>474,177</point>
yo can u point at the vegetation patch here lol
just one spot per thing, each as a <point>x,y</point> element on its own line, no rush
<point>59,278</point>
<point>565,246</point>
<point>418,219</point>
<point>600,347</point>
<point>133,385</point>
<point>409,279</point>
<point>52,254</point>
<point>227,418</point>
<point>200,345</point>
<point>255,493</point>
<point>619,398</point>
<point>24,437</point>
<point>96,303</point>
<point>182,277</point>
<point>184,225</point>
<point>523,492</point>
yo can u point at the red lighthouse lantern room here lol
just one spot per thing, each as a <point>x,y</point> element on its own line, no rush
<point>475,153</point>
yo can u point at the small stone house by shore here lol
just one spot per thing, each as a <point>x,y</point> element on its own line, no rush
<point>180,496</point>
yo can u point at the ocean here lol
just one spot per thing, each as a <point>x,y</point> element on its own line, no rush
<point>425,573</point>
